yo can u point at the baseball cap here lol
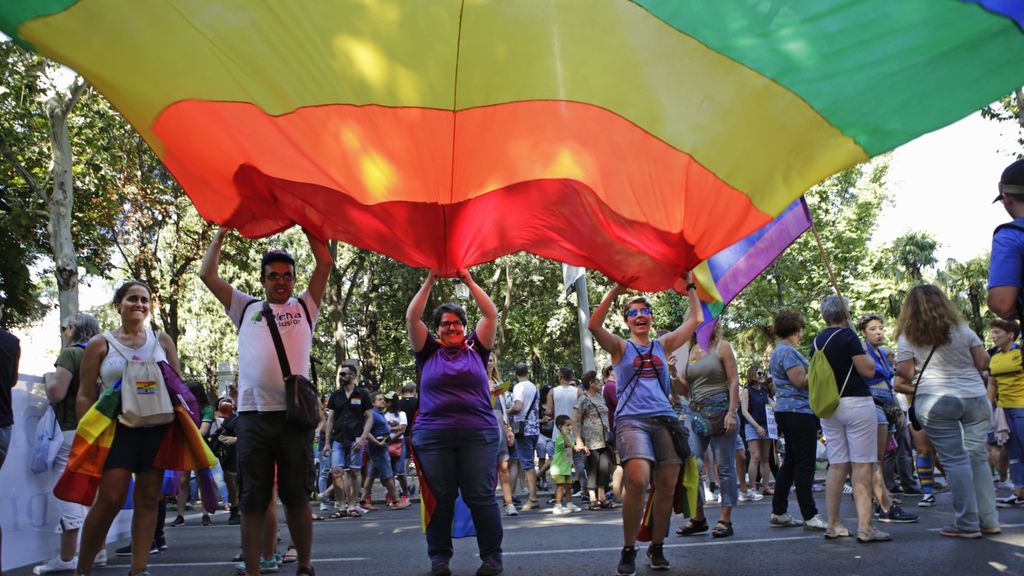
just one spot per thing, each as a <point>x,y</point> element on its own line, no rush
<point>1012,180</point>
<point>276,255</point>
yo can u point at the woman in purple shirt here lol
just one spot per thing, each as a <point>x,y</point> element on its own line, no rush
<point>456,434</point>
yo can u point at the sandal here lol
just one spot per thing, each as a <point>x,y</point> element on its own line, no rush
<point>722,529</point>
<point>340,514</point>
<point>873,535</point>
<point>290,555</point>
<point>693,527</point>
<point>833,534</point>
<point>354,514</point>
<point>607,504</point>
<point>318,518</point>
<point>594,506</point>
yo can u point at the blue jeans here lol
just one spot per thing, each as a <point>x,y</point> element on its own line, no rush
<point>724,452</point>
<point>957,428</point>
<point>460,459</point>
<point>1015,446</point>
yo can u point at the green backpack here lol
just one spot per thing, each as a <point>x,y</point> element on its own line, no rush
<point>821,382</point>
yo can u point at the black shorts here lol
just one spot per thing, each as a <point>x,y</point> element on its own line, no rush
<point>134,449</point>
<point>265,440</point>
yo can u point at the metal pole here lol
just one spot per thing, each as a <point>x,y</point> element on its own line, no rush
<point>583,317</point>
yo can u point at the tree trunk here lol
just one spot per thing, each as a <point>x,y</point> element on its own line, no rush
<point>61,199</point>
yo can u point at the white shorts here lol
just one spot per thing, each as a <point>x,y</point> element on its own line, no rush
<point>851,434</point>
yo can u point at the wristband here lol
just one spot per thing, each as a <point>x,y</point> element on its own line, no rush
<point>691,286</point>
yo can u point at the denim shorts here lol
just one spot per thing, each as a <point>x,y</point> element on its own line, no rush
<point>526,447</point>
<point>545,447</point>
<point>645,438</point>
<point>346,455</point>
<point>380,462</point>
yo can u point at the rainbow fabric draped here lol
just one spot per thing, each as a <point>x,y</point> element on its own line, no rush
<point>182,449</point>
<point>634,137</point>
<point>684,499</point>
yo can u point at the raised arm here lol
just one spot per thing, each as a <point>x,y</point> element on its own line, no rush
<point>414,314</point>
<point>682,334</point>
<point>322,272</point>
<point>208,270</point>
<point>609,342</point>
<point>487,327</point>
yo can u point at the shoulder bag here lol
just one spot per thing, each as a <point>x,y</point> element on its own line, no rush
<point>301,404</point>
<point>519,426</point>
<point>911,413</point>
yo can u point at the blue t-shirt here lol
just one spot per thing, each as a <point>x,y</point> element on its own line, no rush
<point>454,390</point>
<point>646,394</point>
<point>380,424</point>
<point>1006,264</point>
<point>881,383</point>
<point>788,398</point>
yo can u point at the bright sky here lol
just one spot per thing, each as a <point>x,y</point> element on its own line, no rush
<point>944,182</point>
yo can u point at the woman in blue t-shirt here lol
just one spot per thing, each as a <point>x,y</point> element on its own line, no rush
<point>455,440</point>
<point>643,439</point>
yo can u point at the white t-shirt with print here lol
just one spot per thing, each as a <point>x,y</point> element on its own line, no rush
<point>525,392</point>
<point>396,419</point>
<point>260,381</point>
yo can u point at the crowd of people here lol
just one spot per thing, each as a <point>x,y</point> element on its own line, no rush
<point>938,400</point>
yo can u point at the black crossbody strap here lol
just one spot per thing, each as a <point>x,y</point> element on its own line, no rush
<point>921,373</point>
<point>282,357</point>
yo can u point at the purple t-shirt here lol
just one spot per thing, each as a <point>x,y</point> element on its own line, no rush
<point>454,391</point>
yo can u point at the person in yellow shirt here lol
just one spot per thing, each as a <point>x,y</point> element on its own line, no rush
<point>1006,383</point>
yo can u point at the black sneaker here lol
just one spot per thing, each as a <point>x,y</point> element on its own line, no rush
<point>656,557</point>
<point>160,543</point>
<point>489,567</point>
<point>440,568</point>
<point>127,550</point>
<point>234,519</point>
<point>911,489</point>
<point>1011,501</point>
<point>206,520</point>
<point>896,515</point>
<point>179,520</point>
<point>627,562</point>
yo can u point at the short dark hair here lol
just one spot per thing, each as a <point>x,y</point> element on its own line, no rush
<point>787,323</point>
<point>630,302</point>
<point>588,377</point>
<point>449,308</point>
<point>565,373</point>
<point>522,369</point>
<point>561,420</point>
<point>607,370</point>
<point>122,290</point>
<point>351,367</point>
<point>275,256</point>
<point>1006,326</point>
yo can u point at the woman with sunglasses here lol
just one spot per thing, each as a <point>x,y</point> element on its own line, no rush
<point>643,440</point>
<point>756,405</point>
<point>456,435</point>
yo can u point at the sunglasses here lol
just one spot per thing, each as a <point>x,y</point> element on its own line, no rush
<point>451,324</point>
<point>287,277</point>
<point>642,311</point>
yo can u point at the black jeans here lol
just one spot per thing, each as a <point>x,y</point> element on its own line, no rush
<point>801,433</point>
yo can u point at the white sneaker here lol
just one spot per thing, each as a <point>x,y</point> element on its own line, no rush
<point>928,500</point>
<point>743,497</point>
<point>325,507</point>
<point>573,508</point>
<point>510,510</point>
<point>558,510</point>
<point>362,511</point>
<point>815,523</point>
<point>1008,484</point>
<point>755,496</point>
<point>847,489</point>
<point>101,559</point>
<point>55,564</point>
<point>577,494</point>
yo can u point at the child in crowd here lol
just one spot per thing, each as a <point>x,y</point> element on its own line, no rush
<point>561,465</point>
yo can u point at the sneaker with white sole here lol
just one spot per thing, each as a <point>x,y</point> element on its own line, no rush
<point>558,510</point>
<point>743,497</point>
<point>530,505</point>
<point>784,520</point>
<point>1011,501</point>
<point>816,524</point>
<point>510,510</point>
<point>572,507</point>
<point>755,496</point>
<point>266,567</point>
<point>101,559</point>
<point>54,565</point>
<point>928,500</point>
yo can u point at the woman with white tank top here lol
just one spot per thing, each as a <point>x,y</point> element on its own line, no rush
<point>133,450</point>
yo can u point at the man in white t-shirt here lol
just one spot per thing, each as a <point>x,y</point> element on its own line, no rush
<point>562,400</point>
<point>526,425</point>
<point>265,441</point>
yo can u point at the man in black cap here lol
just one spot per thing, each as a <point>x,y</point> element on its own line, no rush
<point>1006,266</point>
<point>10,355</point>
<point>265,441</point>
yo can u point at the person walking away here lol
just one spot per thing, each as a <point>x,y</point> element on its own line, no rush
<point>265,440</point>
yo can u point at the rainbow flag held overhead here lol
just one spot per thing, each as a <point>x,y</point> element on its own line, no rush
<point>723,276</point>
<point>634,137</point>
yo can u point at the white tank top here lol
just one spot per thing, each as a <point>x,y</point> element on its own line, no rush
<point>117,353</point>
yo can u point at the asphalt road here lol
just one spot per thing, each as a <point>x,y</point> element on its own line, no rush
<point>585,543</point>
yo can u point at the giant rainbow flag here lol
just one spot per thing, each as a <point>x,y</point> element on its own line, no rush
<point>635,137</point>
